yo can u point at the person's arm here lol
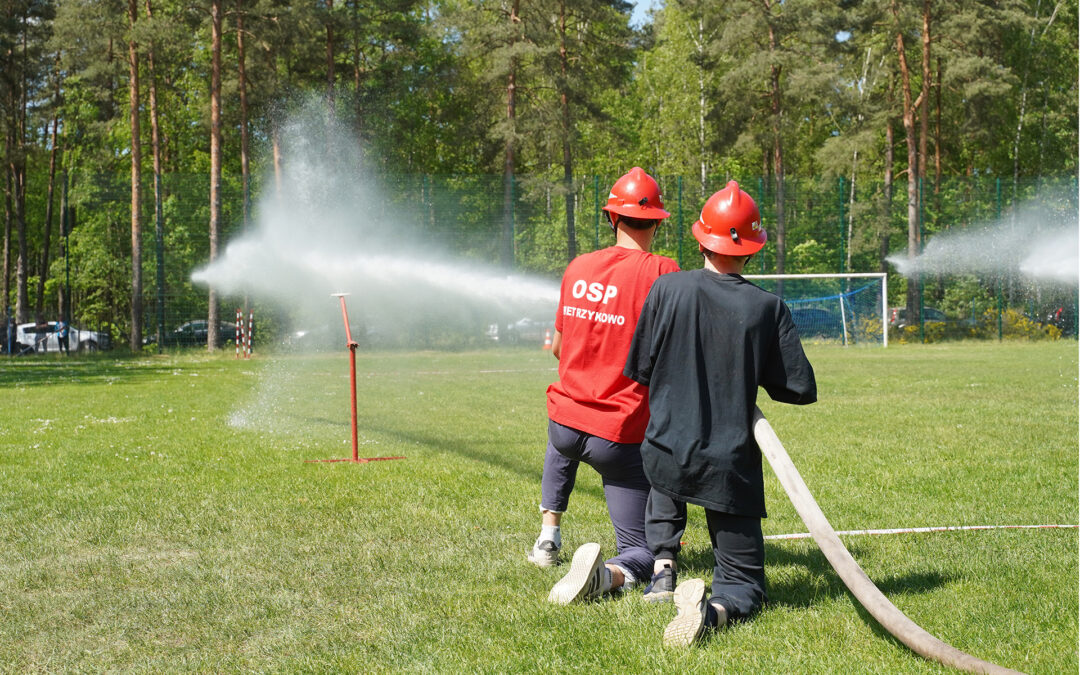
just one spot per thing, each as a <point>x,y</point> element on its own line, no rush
<point>556,344</point>
<point>788,376</point>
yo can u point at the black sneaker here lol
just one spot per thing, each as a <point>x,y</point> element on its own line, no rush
<point>662,586</point>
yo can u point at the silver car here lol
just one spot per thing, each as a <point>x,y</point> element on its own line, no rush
<point>43,337</point>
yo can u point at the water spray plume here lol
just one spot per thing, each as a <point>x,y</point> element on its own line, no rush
<point>1036,242</point>
<point>332,229</point>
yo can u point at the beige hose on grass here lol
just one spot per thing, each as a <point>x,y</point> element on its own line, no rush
<point>860,585</point>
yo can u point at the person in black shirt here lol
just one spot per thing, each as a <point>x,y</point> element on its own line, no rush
<point>704,342</point>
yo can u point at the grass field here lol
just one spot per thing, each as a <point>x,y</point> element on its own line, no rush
<point>157,514</point>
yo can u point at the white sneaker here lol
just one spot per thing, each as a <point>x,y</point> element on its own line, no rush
<point>688,625</point>
<point>544,553</point>
<point>585,579</point>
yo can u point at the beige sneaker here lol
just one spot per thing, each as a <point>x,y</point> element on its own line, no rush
<point>689,624</point>
<point>544,554</point>
<point>585,579</point>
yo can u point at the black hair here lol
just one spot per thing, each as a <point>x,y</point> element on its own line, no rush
<point>635,223</point>
<point>709,253</point>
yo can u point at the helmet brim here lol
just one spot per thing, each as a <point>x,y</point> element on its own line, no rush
<point>636,211</point>
<point>725,245</point>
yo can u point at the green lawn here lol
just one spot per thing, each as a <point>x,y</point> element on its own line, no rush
<point>157,514</point>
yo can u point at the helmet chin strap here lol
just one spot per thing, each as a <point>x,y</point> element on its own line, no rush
<point>611,220</point>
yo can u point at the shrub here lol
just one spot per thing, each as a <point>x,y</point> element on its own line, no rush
<point>1016,326</point>
<point>868,329</point>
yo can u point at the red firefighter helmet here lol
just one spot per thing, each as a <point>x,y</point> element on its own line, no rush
<point>730,223</point>
<point>636,195</point>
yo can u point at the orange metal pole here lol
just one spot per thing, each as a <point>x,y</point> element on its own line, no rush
<point>352,377</point>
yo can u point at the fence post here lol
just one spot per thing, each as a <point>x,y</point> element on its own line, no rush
<point>65,225</point>
<point>159,234</point>
<point>760,207</point>
<point>596,208</point>
<point>843,242</point>
<point>680,255</point>
<point>513,222</point>
<point>1001,328</point>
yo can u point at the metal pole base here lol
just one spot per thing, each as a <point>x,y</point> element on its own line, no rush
<point>359,460</point>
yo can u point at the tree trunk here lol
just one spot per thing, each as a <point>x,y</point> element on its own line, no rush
<point>159,216</point>
<point>1023,97</point>
<point>39,308</point>
<point>909,108</point>
<point>18,180</point>
<point>215,164</point>
<point>245,170</point>
<point>275,142</point>
<point>778,153</point>
<point>18,183</point>
<point>924,98</point>
<point>358,71</point>
<point>699,46</point>
<point>568,165</point>
<point>887,188</point>
<point>511,140</point>
<point>136,185</point>
<point>937,135</point>
<point>330,53</point>
<point>851,212</point>
<point>5,278</point>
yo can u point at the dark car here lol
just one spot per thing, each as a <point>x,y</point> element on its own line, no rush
<point>898,316</point>
<point>194,333</point>
<point>814,322</point>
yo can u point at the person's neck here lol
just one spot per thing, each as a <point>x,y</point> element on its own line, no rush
<point>636,240</point>
<point>723,264</point>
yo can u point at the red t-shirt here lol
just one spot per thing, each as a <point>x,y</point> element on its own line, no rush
<point>599,302</point>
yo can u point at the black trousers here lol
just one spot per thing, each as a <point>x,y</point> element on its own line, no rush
<point>738,547</point>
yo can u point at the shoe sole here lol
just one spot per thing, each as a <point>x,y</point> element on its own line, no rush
<point>576,584</point>
<point>688,625</point>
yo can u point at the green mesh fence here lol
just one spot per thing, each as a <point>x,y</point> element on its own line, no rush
<point>830,226</point>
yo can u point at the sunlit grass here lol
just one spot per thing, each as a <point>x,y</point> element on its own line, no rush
<point>159,515</point>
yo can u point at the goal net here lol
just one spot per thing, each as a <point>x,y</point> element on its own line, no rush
<point>839,308</point>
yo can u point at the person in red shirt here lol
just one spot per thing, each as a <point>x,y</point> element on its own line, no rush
<point>597,414</point>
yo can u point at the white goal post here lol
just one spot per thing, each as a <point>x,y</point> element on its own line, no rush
<point>841,299</point>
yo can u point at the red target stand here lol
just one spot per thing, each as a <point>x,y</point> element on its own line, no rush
<point>356,459</point>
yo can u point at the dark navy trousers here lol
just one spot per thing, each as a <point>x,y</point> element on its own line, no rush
<point>738,547</point>
<point>626,489</point>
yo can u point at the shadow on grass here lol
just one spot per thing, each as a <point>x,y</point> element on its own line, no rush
<point>822,581</point>
<point>466,447</point>
<point>51,369</point>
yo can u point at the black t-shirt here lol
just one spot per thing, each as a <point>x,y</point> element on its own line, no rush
<point>703,344</point>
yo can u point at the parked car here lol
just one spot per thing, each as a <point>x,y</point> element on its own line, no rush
<point>194,333</point>
<point>42,337</point>
<point>898,316</point>
<point>815,322</point>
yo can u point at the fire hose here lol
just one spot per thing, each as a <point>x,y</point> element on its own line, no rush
<point>853,576</point>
